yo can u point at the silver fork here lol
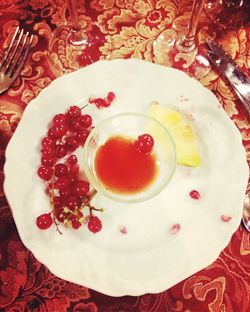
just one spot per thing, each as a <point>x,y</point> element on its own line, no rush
<point>14,58</point>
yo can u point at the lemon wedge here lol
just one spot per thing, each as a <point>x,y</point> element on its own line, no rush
<point>182,133</point>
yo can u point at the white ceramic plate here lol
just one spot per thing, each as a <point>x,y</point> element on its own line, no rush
<point>149,258</point>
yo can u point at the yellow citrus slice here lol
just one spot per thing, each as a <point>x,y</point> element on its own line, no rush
<point>185,140</point>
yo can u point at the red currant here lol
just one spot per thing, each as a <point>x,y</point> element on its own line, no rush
<point>57,201</point>
<point>61,150</point>
<point>74,169</point>
<point>64,193</point>
<point>75,124</point>
<point>72,143</point>
<point>62,184</point>
<point>195,194</point>
<point>60,118</point>
<point>59,214</point>
<point>44,221</point>
<point>48,151</point>
<point>72,178</point>
<point>72,202</point>
<point>145,143</point>
<point>82,135</point>
<point>48,142</point>
<point>80,188</point>
<point>47,160</point>
<point>59,129</point>
<point>75,223</point>
<point>51,134</point>
<point>85,120</point>
<point>72,159</point>
<point>73,112</point>
<point>94,224</point>
<point>45,172</point>
<point>61,170</point>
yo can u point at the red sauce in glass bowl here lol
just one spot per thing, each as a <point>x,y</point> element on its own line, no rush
<point>122,169</point>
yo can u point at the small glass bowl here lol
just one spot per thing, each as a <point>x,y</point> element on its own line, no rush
<point>131,125</point>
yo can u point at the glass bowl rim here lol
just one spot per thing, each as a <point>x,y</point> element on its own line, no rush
<point>134,197</point>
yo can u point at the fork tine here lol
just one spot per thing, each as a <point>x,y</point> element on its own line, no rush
<point>20,65</point>
<point>14,51</point>
<point>9,48</point>
<point>16,57</point>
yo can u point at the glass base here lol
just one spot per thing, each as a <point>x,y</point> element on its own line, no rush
<point>77,38</point>
<point>71,49</point>
<point>169,50</point>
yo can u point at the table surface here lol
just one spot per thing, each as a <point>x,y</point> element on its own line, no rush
<point>126,28</point>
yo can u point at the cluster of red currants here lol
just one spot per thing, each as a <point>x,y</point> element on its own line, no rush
<point>68,193</point>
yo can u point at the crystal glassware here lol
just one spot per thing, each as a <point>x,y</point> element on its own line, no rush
<point>72,45</point>
<point>229,14</point>
<point>182,51</point>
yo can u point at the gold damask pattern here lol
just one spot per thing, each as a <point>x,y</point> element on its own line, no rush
<point>126,28</point>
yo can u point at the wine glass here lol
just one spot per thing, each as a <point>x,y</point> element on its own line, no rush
<point>72,45</point>
<point>182,51</point>
<point>229,14</point>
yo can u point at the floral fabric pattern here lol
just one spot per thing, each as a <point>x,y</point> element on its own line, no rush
<point>125,29</point>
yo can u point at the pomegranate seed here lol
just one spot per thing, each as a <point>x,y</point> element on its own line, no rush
<point>123,230</point>
<point>99,102</point>
<point>44,221</point>
<point>175,228</point>
<point>94,224</point>
<point>195,195</point>
<point>110,97</point>
<point>225,218</point>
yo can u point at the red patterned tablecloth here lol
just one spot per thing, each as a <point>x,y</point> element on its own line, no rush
<point>131,26</point>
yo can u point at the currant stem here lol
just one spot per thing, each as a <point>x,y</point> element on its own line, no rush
<point>52,195</point>
<point>89,199</point>
<point>81,108</point>
<point>91,208</point>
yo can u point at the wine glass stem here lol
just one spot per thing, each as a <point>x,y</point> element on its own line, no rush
<point>77,36</point>
<point>74,15</point>
<point>187,43</point>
